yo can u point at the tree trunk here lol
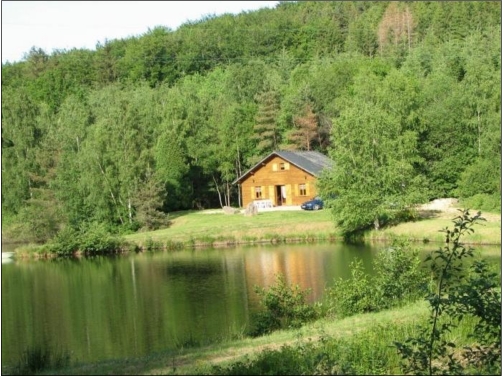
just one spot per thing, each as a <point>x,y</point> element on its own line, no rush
<point>218,190</point>
<point>377,223</point>
<point>111,192</point>
<point>479,133</point>
<point>227,199</point>
<point>239,173</point>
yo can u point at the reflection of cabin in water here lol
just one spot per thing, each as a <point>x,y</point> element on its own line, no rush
<point>282,178</point>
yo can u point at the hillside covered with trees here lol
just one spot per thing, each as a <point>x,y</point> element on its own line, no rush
<point>404,96</point>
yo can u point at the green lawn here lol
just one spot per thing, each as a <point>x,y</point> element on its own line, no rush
<point>428,226</point>
<point>208,226</point>
<point>212,228</point>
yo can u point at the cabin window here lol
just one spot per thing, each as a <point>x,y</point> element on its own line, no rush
<point>257,191</point>
<point>303,189</point>
<point>282,166</point>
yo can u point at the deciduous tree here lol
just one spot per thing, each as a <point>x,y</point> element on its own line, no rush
<point>373,176</point>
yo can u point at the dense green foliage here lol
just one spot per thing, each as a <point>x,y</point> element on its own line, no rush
<point>459,290</point>
<point>92,239</point>
<point>284,307</point>
<point>403,95</point>
<point>398,279</point>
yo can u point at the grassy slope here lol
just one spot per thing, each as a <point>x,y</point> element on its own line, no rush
<point>200,225</point>
<point>204,225</point>
<point>194,361</point>
<point>428,226</point>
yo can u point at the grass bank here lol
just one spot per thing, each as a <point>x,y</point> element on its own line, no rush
<point>210,228</point>
<point>192,361</point>
<point>213,229</point>
<point>361,341</point>
<point>427,225</point>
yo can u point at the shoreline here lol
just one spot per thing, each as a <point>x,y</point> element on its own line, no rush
<point>229,244</point>
<point>214,229</point>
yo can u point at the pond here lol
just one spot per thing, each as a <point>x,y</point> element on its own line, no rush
<point>127,306</point>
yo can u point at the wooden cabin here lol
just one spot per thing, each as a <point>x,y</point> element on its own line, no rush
<point>282,178</point>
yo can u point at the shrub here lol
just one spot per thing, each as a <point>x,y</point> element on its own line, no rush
<point>398,278</point>
<point>92,238</point>
<point>479,296</point>
<point>285,307</point>
<point>37,359</point>
<point>484,202</point>
<point>96,240</point>
<point>354,295</point>
<point>396,217</point>
<point>65,242</point>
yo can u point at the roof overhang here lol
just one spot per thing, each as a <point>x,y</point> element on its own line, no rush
<point>261,163</point>
<point>253,169</point>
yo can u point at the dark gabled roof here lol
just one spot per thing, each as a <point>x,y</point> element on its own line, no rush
<point>310,161</point>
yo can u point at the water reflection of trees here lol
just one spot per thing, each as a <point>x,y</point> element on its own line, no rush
<point>311,266</point>
<point>103,308</point>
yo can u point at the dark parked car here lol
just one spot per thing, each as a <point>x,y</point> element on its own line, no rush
<point>313,204</point>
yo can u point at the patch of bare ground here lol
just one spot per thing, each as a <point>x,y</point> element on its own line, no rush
<point>446,208</point>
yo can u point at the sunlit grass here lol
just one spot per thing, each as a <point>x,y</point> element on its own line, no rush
<point>428,229</point>
<point>206,228</point>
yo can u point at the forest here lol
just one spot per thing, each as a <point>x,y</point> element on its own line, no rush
<point>403,96</point>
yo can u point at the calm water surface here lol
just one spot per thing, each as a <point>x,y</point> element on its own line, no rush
<point>127,306</point>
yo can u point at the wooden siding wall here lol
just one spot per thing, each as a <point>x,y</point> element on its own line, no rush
<point>270,175</point>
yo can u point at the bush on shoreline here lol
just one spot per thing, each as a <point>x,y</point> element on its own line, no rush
<point>398,279</point>
<point>285,307</point>
<point>92,240</point>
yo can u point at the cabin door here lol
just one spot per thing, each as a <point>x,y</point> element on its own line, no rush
<point>280,195</point>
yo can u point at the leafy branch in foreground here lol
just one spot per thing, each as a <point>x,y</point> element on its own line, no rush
<point>479,296</point>
<point>455,294</point>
